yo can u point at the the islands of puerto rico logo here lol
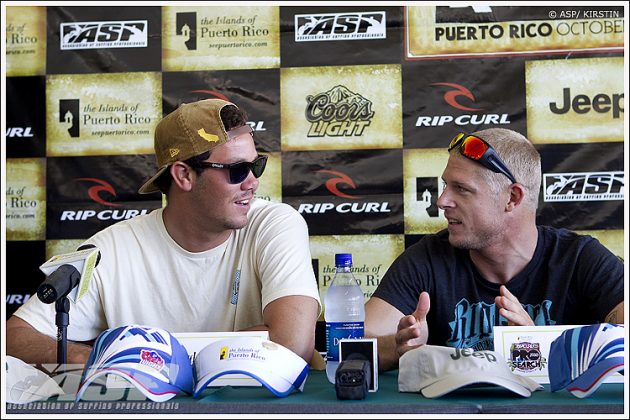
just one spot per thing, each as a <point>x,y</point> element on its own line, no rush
<point>69,115</point>
<point>525,356</point>
<point>186,29</point>
<point>338,112</point>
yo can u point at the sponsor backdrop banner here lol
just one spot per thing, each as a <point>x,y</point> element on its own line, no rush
<point>355,106</point>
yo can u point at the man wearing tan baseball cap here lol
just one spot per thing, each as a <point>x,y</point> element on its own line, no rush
<point>213,259</point>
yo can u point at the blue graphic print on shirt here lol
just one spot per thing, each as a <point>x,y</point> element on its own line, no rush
<point>473,324</point>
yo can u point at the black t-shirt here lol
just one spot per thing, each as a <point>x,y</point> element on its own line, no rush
<point>572,279</point>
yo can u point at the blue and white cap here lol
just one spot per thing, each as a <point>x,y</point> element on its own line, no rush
<point>273,365</point>
<point>149,358</point>
<point>581,358</point>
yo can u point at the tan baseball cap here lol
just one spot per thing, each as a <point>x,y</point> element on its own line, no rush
<point>190,130</point>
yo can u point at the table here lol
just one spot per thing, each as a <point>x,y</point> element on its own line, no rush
<point>319,398</point>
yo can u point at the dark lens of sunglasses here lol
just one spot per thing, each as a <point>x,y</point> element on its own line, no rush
<point>474,148</point>
<point>240,171</point>
<point>258,166</point>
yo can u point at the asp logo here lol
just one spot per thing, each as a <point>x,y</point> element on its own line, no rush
<point>95,191</point>
<point>584,186</point>
<point>111,34</point>
<point>340,26</point>
<point>454,96</point>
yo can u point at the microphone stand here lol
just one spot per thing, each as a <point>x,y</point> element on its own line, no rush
<point>62,319</point>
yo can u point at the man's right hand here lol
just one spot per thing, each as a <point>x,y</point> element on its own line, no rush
<point>413,330</point>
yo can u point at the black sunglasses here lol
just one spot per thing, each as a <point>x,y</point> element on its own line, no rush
<point>238,171</point>
<point>479,150</point>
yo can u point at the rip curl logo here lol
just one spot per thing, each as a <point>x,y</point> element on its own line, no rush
<point>338,112</point>
<point>95,191</point>
<point>459,98</point>
<point>450,97</point>
<point>152,359</point>
<point>526,357</point>
<point>342,179</point>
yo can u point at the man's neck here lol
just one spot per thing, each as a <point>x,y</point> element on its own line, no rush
<point>187,234</point>
<point>504,260</point>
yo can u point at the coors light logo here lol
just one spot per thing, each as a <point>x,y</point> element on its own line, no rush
<point>338,112</point>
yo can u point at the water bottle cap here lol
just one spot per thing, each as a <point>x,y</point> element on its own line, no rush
<point>343,260</point>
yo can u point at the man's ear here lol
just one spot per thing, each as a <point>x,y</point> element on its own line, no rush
<point>182,175</point>
<point>517,194</point>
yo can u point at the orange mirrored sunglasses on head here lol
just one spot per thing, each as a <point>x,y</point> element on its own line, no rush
<point>479,150</point>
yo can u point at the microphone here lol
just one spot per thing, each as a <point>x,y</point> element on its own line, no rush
<point>65,272</point>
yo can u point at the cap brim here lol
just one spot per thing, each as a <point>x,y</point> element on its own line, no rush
<point>522,386</point>
<point>149,187</point>
<point>25,383</point>
<point>588,382</point>
<point>153,389</point>
<point>278,385</point>
<point>274,366</point>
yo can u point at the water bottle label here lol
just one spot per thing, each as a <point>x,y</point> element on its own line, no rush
<point>335,331</point>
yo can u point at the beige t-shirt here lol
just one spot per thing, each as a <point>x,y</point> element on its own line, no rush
<point>144,277</point>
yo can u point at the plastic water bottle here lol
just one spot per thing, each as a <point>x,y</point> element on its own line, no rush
<point>344,311</point>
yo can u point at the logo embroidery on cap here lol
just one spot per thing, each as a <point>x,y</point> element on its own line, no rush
<point>151,358</point>
<point>224,353</point>
<point>173,152</point>
<point>208,137</point>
